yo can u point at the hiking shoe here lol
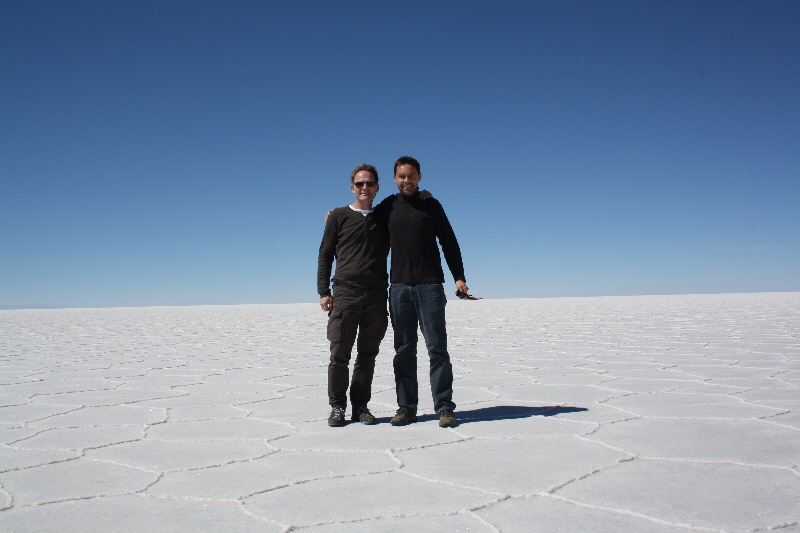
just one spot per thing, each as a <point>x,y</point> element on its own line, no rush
<point>363,415</point>
<point>404,415</point>
<point>337,417</point>
<point>447,419</point>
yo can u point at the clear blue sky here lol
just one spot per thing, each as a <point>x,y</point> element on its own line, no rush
<point>181,153</point>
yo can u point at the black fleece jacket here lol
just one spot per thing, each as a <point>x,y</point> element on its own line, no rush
<point>359,244</point>
<point>414,226</point>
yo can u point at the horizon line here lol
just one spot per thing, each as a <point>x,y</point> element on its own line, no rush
<point>48,307</point>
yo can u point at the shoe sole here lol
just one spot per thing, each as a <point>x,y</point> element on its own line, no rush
<point>404,423</point>
<point>367,422</point>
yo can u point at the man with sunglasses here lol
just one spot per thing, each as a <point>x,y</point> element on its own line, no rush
<point>416,293</point>
<point>358,240</point>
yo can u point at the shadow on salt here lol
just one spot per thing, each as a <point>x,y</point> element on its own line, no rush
<point>501,412</point>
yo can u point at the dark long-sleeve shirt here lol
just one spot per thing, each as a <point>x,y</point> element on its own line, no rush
<point>414,227</point>
<point>359,244</point>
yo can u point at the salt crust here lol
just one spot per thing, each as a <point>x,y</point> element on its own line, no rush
<point>651,414</point>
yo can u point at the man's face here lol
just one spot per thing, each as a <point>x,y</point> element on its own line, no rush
<point>364,186</point>
<point>407,179</point>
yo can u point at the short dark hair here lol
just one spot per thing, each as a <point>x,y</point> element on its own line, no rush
<point>406,160</point>
<point>363,166</point>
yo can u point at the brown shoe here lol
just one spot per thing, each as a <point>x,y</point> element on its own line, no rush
<point>447,419</point>
<point>404,416</point>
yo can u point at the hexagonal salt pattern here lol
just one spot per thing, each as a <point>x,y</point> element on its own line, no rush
<point>653,414</point>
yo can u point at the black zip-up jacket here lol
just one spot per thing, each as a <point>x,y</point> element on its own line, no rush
<point>414,226</point>
<point>359,244</point>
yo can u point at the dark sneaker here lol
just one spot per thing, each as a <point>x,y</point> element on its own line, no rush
<point>404,415</point>
<point>337,417</point>
<point>363,415</point>
<point>447,419</point>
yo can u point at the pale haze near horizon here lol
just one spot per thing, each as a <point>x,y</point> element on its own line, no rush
<point>170,153</point>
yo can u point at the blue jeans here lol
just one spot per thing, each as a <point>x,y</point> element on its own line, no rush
<point>410,305</point>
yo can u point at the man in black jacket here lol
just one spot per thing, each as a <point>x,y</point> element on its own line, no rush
<point>358,240</point>
<point>416,294</point>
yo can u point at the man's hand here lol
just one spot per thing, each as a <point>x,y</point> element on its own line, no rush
<point>327,215</point>
<point>424,195</point>
<point>326,302</point>
<point>462,286</point>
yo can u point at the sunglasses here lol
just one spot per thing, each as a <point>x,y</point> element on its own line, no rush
<point>360,184</point>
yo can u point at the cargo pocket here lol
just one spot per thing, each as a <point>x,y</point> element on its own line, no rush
<point>335,325</point>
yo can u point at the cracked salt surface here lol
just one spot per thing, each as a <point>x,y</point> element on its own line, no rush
<point>653,414</point>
